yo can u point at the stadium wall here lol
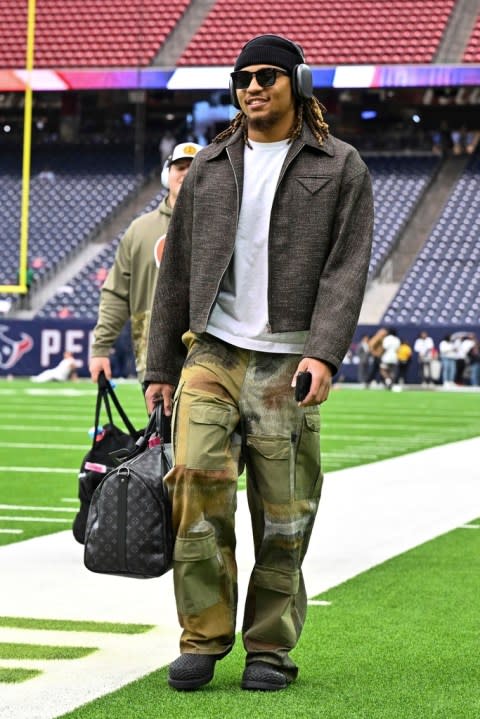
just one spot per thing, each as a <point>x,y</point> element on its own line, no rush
<point>29,347</point>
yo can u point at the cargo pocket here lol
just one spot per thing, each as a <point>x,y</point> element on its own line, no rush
<point>270,459</point>
<point>308,477</point>
<point>277,580</point>
<point>208,437</point>
<point>197,573</point>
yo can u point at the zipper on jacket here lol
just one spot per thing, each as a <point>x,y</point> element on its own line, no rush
<point>123,478</point>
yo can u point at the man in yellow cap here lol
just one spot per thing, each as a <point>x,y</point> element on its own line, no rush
<point>128,290</point>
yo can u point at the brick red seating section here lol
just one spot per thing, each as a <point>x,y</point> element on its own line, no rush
<point>472,51</point>
<point>331,32</point>
<point>76,33</point>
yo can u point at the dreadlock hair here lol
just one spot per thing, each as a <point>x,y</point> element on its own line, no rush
<point>311,111</point>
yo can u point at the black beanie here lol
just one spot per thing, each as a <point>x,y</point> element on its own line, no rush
<point>270,50</point>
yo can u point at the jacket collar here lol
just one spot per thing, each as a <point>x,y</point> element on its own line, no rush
<point>306,138</point>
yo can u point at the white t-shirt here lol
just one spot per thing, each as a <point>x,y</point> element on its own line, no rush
<point>424,347</point>
<point>240,314</point>
<point>391,343</point>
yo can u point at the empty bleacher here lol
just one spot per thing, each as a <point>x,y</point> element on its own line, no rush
<point>88,33</point>
<point>443,284</point>
<point>331,33</point>
<point>398,185</point>
<point>73,190</point>
<point>80,297</point>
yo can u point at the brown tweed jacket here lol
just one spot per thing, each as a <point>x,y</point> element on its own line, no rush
<point>320,241</point>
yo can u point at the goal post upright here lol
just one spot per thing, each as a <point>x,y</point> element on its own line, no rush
<point>21,287</point>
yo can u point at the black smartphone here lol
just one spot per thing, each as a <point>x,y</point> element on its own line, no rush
<point>302,387</point>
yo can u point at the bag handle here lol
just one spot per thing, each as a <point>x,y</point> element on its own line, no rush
<point>158,424</point>
<point>106,389</point>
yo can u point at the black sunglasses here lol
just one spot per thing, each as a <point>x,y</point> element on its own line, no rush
<point>266,77</point>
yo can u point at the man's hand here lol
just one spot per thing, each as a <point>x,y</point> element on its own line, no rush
<point>321,381</point>
<point>155,393</point>
<point>97,364</point>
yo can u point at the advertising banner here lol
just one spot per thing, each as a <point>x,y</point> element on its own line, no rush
<point>29,347</point>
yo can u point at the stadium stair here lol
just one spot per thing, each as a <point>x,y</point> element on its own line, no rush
<point>182,33</point>
<point>458,32</point>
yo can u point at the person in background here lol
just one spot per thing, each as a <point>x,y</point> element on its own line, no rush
<point>389,358</point>
<point>376,350</point>
<point>363,354</point>
<point>404,356</point>
<point>474,362</point>
<point>448,358</point>
<point>128,290</point>
<point>463,343</point>
<point>25,299</point>
<point>424,347</point>
<point>262,279</point>
<point>65,370</point>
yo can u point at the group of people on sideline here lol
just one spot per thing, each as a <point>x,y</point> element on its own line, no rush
<point>385,358</point>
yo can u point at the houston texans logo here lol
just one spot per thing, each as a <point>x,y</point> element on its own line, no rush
<point>12,350</point>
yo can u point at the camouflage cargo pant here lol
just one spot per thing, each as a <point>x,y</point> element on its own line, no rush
<point>224,388</point>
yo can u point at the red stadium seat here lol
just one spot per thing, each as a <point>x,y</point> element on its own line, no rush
<point>99,33</point>
<point>472,51</point>
<point>340,31</point>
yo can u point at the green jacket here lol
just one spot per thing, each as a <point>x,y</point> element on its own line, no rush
<point>128,290</point>
<point>319,248</point>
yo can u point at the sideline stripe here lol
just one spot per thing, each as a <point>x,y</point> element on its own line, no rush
<point>31,445</point>
<point>35,470</point>
<point>34,519</point>
<point>41,509</point>
<point>11,531</point>
<point>318,603</point>
<point>73,416</point>
<point>24,427</point>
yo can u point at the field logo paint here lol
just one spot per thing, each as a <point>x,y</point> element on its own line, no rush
<point>11,351</point>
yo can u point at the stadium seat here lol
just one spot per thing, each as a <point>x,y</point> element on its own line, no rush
<point>88,185</point>
<point>447,268</point>
<point>341,32</point>
<point>100,32</point>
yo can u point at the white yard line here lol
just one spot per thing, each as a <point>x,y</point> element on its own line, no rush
<point>27,507</point>
<point>39,470</point>
<point>367,515</point>
<point>11,531</point>
<point>22,428</point>
<point>11,518</point>
<point>35,445</point>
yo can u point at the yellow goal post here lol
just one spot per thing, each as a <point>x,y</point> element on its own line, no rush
<point>21,287</point>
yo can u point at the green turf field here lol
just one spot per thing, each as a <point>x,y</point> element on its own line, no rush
<point>44,435</point>
<point>397,642</point>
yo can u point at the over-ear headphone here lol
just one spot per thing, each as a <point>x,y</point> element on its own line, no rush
<point>301,77</point>
<point>165,172</point>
